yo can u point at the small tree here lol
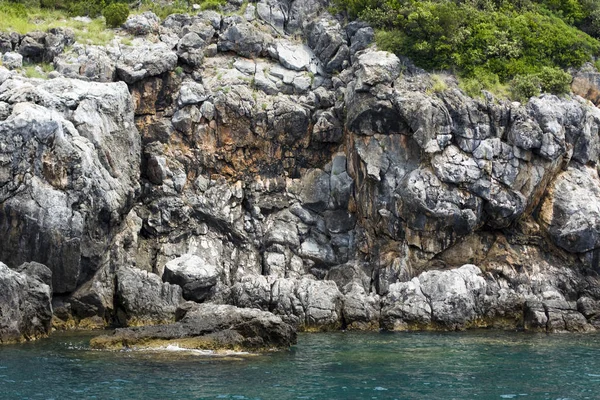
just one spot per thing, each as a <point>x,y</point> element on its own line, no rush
<point>116,14</point>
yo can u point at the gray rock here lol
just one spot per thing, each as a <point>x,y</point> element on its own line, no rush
<point>12,60</point>
<point>328,40</point>
<point>294,56</point>
<point>315,190</point>
<point>375,67</point>
<point>142,24</point>
<point>143,299</point>
<point>191,93</point>
<point>36,270</point>
<point>209,326</point>
<point>570,210</point>
<point>143,61</point>
<point>244,39</point>
<point>449,299</point>
<point>190,49</point>
<point>361,310</point>
<point>84,182</point>
<point>361,39</point>
<point>273,12</point>
<point>25,306</point>
<point>186,118</point>
<point>311,304</point>
<point>31,47</point>
<point>194,274</point>
<point>92,63</point>
<point>302,12</point>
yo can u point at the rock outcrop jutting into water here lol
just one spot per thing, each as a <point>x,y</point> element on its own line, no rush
<point>218,159</point>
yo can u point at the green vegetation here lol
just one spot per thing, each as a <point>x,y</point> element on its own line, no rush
<point>16,17</point>
<point>115,14</point>
<point>438,84</point>
<point>164,9</point>
<point>489,43</point>
<point>40,71</point>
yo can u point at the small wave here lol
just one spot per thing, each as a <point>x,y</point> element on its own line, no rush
<point>176,349</point>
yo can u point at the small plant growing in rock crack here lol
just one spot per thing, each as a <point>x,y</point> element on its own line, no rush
<point>179,71</point>
<point>32,71</point>
<point>438,84</point>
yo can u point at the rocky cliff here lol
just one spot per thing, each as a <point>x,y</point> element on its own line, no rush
<point>273,158</point>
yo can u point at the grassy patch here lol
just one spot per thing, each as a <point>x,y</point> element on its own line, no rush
<point>438,84</point>
<point>32,71</point>
<point>16,19</point>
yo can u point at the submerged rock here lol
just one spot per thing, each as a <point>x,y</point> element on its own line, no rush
<point>208,326</point>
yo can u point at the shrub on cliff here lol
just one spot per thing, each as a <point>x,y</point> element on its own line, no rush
<point>116,14</point>
<point>484,37</point>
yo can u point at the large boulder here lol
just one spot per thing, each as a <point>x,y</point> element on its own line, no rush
<point>571,210</point>
<point>208,326</point>
<point>435,299</point>
<point>142,298</point>
<point>145,60</point>
<point>142,24</point>
<point>25,304</point>
<point>196,276</point>
<point>243,38</point>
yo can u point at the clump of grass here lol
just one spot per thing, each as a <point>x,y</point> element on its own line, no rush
<point>438,84</point>
<point>46,67</point>
<point>32,71</point>
<point>163,10</point>
<point>94,32</point>
<point>484,80</point>
<point>126,40</point>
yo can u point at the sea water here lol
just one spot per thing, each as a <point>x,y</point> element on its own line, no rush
<point>464,365</point>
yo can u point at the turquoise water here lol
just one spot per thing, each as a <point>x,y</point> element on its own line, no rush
<point>483,365</point>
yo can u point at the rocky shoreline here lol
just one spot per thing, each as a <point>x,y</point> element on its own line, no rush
<point>271,170</point>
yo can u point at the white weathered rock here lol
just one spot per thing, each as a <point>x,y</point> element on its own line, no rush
<point>196,276</point>
<point>12,60</point>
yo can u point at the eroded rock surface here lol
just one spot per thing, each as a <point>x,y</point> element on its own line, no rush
<point>208,326</point>
<point>25,304</point>
<point>322,180</point>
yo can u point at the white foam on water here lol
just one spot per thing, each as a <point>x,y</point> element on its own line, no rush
<point>176,348</point>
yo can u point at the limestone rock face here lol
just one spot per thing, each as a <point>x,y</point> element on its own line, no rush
<point>25,304</point>
<point>69,172</point>
<point>274,158</point>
